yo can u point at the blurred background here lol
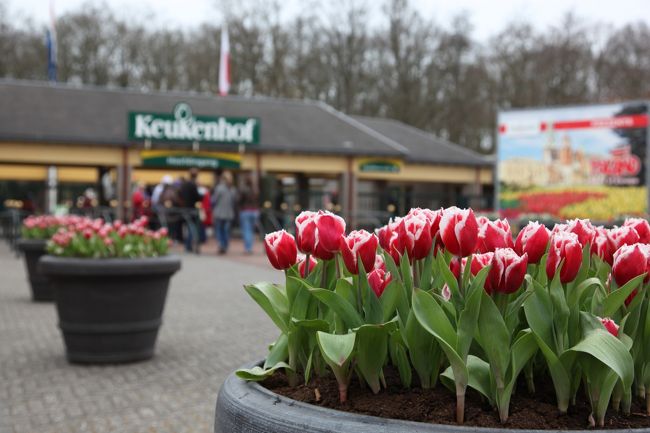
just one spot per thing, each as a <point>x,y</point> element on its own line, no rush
<point>363,108</point>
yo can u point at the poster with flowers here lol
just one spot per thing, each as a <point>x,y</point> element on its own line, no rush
<point>573,162</point>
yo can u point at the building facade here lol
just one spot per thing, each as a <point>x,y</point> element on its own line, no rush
<point>57,141</point>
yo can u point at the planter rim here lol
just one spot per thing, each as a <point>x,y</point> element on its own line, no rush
<point>31,244</point>
<point>53,265</point>
<point>252,401</point>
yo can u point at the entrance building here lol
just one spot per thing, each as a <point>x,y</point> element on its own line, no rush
<point>58,141</point>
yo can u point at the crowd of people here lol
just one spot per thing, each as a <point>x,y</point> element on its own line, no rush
<point>192,209</point>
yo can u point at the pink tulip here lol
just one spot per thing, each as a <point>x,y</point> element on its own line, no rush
<point>378,280</point>
<point>415,233</point>
<point>302,266</point>
<point>641,227</point>
<point>583,229</point>
<point>602,245</point>
<point>494,234</point>
<point>625,235</point>
<point>359,243</point>
<point>459,231</point>
<point>610,325</point>
<point>566,248</point>
<point>281,249</point>
<point>508,269</point>
<point>306,231</point>
<point>330,229</point>
<point>480,261</point>
<point>533,240</point>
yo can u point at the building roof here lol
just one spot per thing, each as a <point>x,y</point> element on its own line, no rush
<point>63,113</point>
<point>424,147</point>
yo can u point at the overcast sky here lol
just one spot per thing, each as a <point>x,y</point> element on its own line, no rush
<point>487,16</point>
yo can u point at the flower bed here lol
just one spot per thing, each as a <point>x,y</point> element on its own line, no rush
<point>447,299</point>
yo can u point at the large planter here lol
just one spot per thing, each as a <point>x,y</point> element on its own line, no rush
<point>247,407</point>
<point>109,310</point>
<point>33,250</point>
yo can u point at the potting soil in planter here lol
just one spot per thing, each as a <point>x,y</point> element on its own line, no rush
<point>438,405</point>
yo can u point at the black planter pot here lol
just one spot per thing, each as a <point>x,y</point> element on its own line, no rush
<point>109,309</point>
<point>247,407</point>
<point>33,250</point>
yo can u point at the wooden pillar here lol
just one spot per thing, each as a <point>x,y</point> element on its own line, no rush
<point>123,186</point>
<point>349,186</point>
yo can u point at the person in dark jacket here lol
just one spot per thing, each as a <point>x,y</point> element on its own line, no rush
<point>189,195</point>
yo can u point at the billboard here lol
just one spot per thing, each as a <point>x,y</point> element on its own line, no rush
<point>573,162</point>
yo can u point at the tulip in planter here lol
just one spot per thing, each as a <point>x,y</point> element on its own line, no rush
<point>447,300</point>
<point>110,283</point>
<point>35,232</point>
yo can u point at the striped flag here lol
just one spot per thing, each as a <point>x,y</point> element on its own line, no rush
<point>50,42</point>
<point>224,62</point>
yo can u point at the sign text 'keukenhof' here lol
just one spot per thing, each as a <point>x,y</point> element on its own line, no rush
<point>182,125</point>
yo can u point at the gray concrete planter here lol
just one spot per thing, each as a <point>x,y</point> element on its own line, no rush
<point>33,250</point>
<point>110,310</point>
<point>247,407</point>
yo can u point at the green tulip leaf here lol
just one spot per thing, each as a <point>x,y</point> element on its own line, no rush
<point>424,351</point>
<point>372,349</point>
<point>615,299</point>
<point>494,337</point>
<point>258,373</point>
<point>336,348</point>
<point>609,350</point>
<point>340,306</point>
<point>278,352</point>
<point>479,377</point>
<point>274,303</point>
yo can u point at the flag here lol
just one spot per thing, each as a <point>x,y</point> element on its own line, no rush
<point>50,42</point>
<point>224,63</point>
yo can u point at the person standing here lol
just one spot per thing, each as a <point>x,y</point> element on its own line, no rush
<point>223,204</point>
<point>248,212</point>
<point>189,195</point>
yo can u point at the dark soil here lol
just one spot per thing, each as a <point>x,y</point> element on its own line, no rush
<point>438,405</point>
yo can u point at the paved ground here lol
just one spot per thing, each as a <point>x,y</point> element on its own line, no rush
<point>210,328</point>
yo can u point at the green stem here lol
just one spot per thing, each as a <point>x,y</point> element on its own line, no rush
<point>460,404</point>
<point>530,382</point>
<point>307,258</point>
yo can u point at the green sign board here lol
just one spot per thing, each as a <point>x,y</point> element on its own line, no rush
<point>380,165</point>
<point>182,125</point>
<point>185,159</point>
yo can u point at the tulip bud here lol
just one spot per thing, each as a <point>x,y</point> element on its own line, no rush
<point>493,235</point>
<point>302,266</point>
<point>630,261</point>
<point>508,270</point>
<point>532,240</point>
<point>625,235</point>
<point>281,249</point>
<point>446,292</point>
<point>321,253</point>
<point>330,229</point>
<point>610,325</point>
<point>479,261</point>
<point>641,227</point>
<point>566,248</point>
<point>583,229</point>
<point>359,243</point>
<point>378,279</point>
<point>459,231</point>
<point>415,233</point>
<point>602,245</point>
<point>306,231</point>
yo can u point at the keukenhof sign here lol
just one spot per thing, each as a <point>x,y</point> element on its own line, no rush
<point>182,125</point>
